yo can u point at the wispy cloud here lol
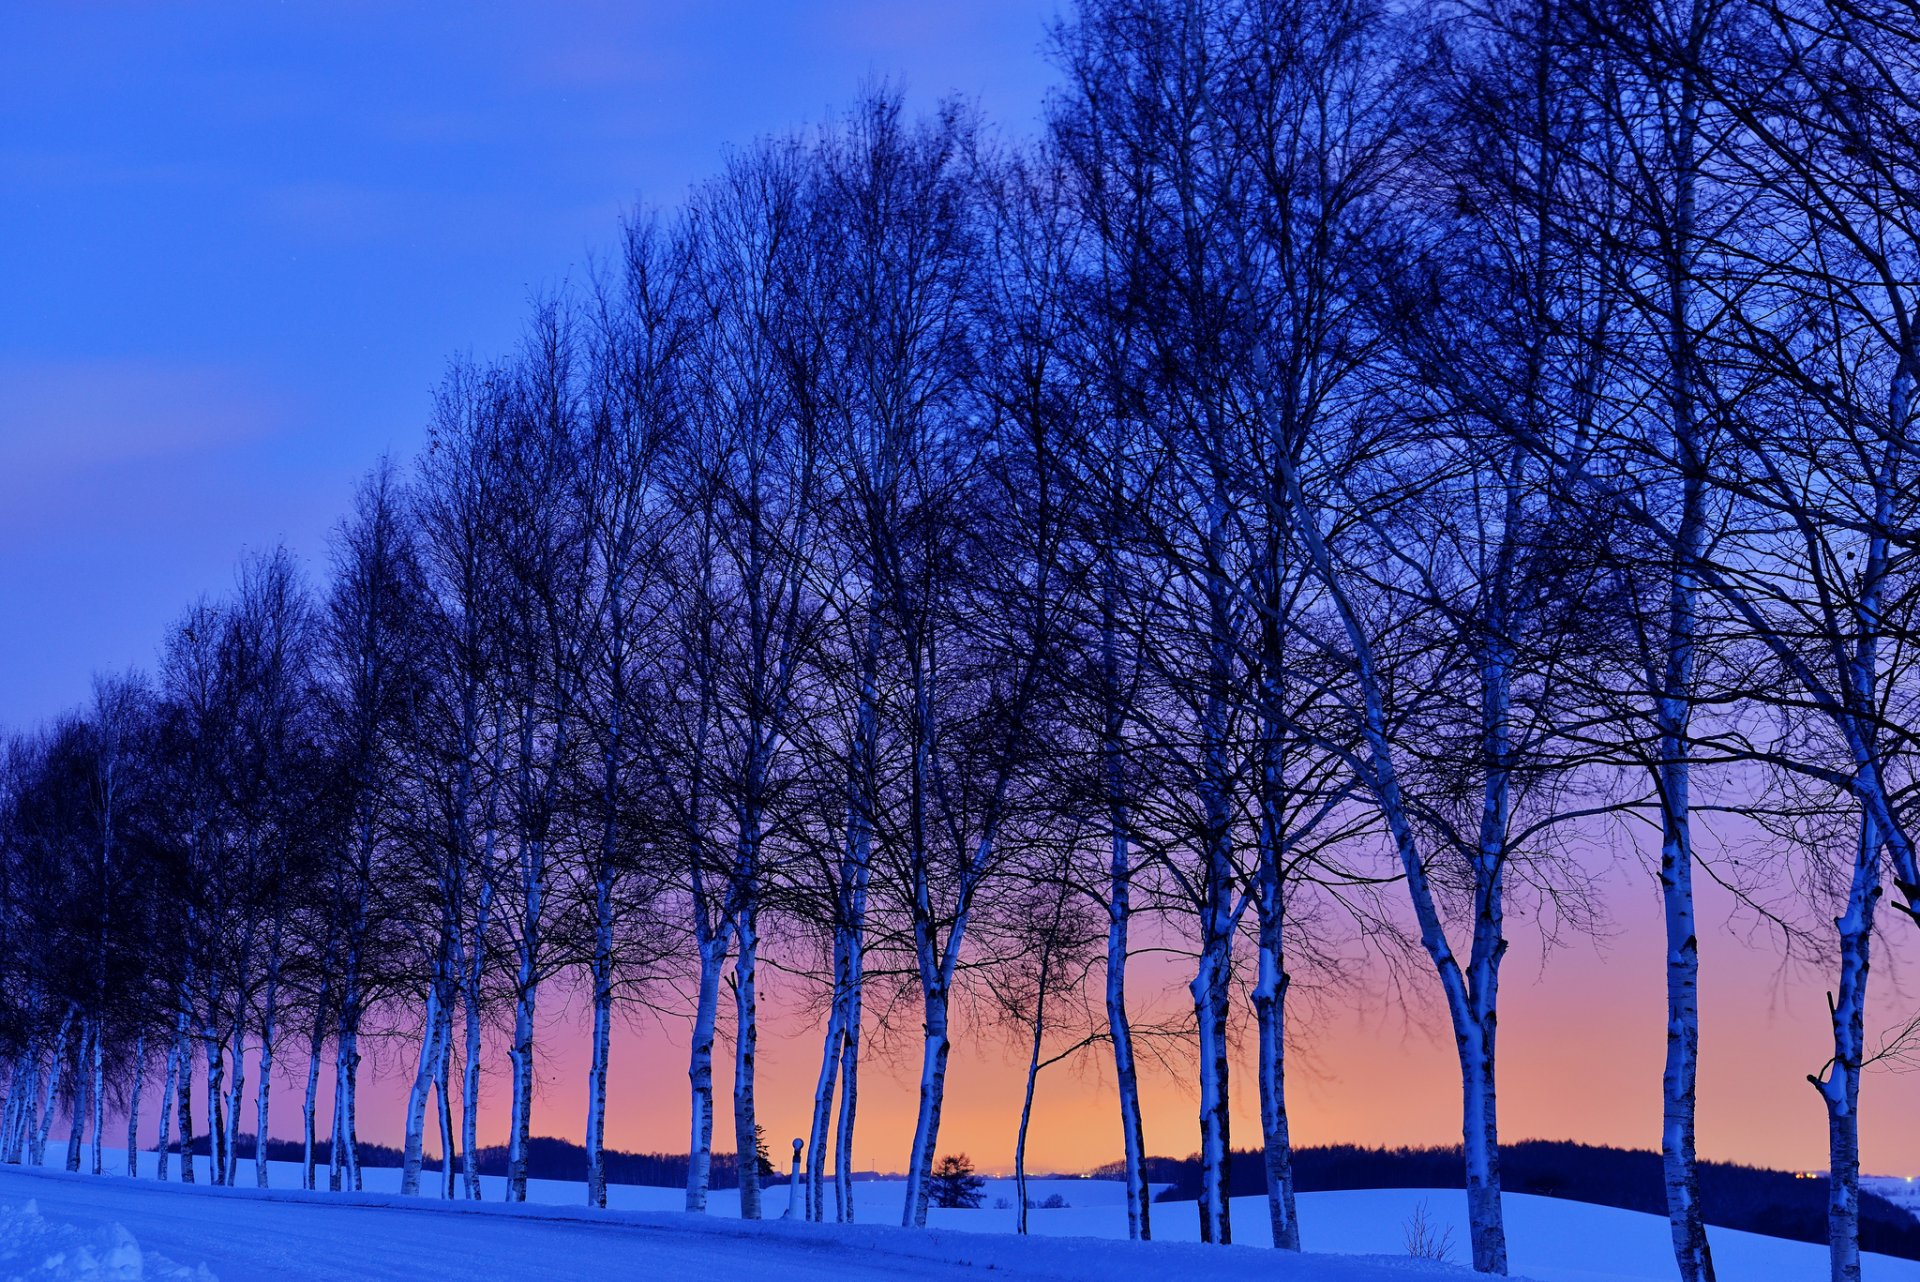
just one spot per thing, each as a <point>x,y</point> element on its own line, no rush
<point>60,418</point>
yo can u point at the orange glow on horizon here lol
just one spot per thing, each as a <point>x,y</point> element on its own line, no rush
<point>1581,1043</point>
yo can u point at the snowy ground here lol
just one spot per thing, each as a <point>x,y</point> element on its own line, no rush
<point>243,1235</point>
<point>1901,1190</point>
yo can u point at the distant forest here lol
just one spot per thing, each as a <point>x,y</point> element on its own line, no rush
<point>547,1159</point>
<point>1750,1198</point>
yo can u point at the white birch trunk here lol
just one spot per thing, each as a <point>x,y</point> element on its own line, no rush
<point>216,1053</point>
<point>855,877</point>
<point>19,1084</point>
<point>521,1056</point>
<point>183,1101</point>
<point>310,1104</point>
<point>1120,1030</point>
<point>470,1062</point>
<point>1270,1004</point>
<point>1680,1072</point>
<point>746,1043</point>
<point>269,1028</point>
<point>235,1095</point>
<point>416,1118</point>
<point>337,1135</point>
<point>700,1071</point>
<point>843,1164</point>
<point>55,1069</point>
<point>1839,1086</point>
<point>1216,1224</point>
<point>77,1106</point>
<point>823,1089</point>
<point>1217,926</point>
<point>1020,1198</point>
<point>162,1156</point>
<point>602,1041</point>
<point>134,1088</point>
<point>443,1073</point>
<point>926,1127</point>
<point>97,1095</point>
<point>1469,1011</point>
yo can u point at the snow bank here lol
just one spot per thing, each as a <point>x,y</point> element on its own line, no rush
<point>245,1235</point>
<point>35,1249</point>
<point>287,1235</point>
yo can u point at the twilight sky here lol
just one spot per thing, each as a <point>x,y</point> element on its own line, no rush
<point>239,241</point>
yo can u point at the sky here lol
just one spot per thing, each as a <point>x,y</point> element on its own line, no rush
<point>240,241</point>
<point>238,244</point>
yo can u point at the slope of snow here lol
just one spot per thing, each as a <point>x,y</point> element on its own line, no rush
<point>293,1236</point>
<point>243,1235</point>
<point>1901,1190</point>
<point>36,1249</point>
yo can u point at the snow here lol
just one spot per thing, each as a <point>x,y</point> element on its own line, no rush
<point>36,1249</point>
<point>240,1235</point>
<point>1901,1190</point>
<point>243,1235</point>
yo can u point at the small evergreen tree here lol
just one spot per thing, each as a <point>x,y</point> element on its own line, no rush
<point>955,1184</point>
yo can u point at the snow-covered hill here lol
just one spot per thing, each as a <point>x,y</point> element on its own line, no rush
<point>1360,1236</point>
<point>1901,1190</point>
<point>242,1235</point>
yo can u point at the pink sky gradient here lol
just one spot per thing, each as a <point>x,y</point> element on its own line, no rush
<point>1580,1058</point>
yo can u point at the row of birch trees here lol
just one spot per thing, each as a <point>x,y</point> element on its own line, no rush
<point>1359,466</point>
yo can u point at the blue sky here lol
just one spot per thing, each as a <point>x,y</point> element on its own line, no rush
<point>238,243</point>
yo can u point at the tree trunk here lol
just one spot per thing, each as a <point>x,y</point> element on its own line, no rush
<point>700,1072</point>
<point>1120,910</point>
<point>21,1086</point>
<point>1673,715</point>
<point>97,1095</point>
<point>1840,1088</point>
<point>843,1164</point>
<point>443,1074</point>
<point>183,1103</point>
<point>77,1106</point>
<point>268,1028</point>
<point>216,1119</point>
<point>830,1049</point>
<point>926,1130</point>
<point>1209,987</point>
<point>337,1137</point>
<point>414,1140</point>
<point>1270,1006</point>
<point>56,1067</point>
<point>315,1043</point>
<point>470,1065</point>
<point>1479,1133</point>
<point>1020,1199</point>
<point>1216,1224</point>
<point>602,1041</point>
<point>1681,1071</point>
<point>133,1105</point>
<point>746,1043</point>
<point>1120,1032</point>
<point>235,1094</point>
<point>521,1057</point>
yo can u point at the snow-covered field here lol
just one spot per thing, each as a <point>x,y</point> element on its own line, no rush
<point>242,1235</point>
<point>1901,1190</point>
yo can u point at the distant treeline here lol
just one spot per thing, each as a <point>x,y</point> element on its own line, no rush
<point>547,1159</point>
<point>1757,1200</point>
